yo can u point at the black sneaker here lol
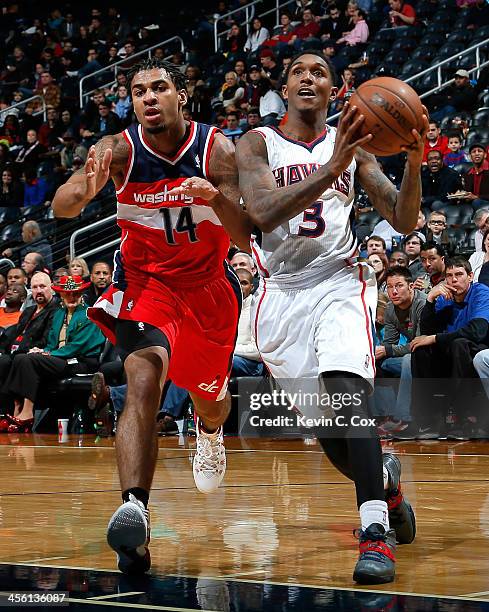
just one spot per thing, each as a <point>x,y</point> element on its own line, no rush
<point>128,535</point>
<point>401,514</point>
<point>377,562</point>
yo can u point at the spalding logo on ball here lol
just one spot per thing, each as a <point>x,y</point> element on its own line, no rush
<point>392,109</point>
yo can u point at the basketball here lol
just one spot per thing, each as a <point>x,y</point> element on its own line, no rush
<point>391,109</point>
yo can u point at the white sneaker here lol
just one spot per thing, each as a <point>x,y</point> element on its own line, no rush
<point>128,533</point>
<point>210,460</point>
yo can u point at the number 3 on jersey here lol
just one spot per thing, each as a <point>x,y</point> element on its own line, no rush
<point>185,223</point>
<point>313,214</point>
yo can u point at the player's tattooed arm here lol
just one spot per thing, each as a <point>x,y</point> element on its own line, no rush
<point>223,174</point>
<point>268,205</point>
<point>400,208</point>
<point>106,159</point>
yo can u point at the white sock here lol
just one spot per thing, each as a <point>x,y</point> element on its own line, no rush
<point>386,477</point>
<point>374,511</point>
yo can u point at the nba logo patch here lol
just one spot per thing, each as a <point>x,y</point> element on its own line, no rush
<point>130,305</point>
<point>367,362</point>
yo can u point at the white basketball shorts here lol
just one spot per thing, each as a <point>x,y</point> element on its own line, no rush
<point>304,331</point>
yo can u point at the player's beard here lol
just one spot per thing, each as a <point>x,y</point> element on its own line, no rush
<point>157,129</point>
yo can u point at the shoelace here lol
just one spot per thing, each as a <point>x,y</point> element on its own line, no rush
<point>208,459</point>
<point>373,546</point>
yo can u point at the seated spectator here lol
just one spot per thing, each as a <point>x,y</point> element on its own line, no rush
<point>32,327</point>
<point>32,237</point>
<point>233,130</point>
<point>232,91</point>
<point>380,265</point>
<point>257,36</point>
<point>105,124</point>
<point>375,244</point>
<point>3,288</point>
<point>11,130</point>
<point>58,273</point>
<point>435,141</point>
<point>401,14</point>
<point>74,345</point>
<point>50,130</point>
<point>412,248</point>
<point>334,26</point>
<point>14,297</point>
<point>33,262</point>
<point>454,328</point>
<point>459,97</point>
<point>433,260</point>
<point>35,188</point>
<point>437,181</point>
<point>246,359</point>
<point>285,33</point>
<point>272,107</point>
<point>123,105</point>
<point>269,65</point>
<point>242,260</point>
<point>437,232</point>
<point>100,279</point>
<point>476,180</point>
<point>348,84</point>
<point>253,120</point>
<point>71,151</point>
<point>31,152</point>
<point>420,227</point>
<point>235,40</point>
<point>79,267</point>
<point>478,259</point>
<point>481,221</point>
<point>389,235</point>
<point>252,90</point>
<point>401,320</point>
<point>360,32</point>
<point>306,32</point>
<point>16,276</point>
<point>398,258</point>
<point>11,196</point>
<point>456,154</point>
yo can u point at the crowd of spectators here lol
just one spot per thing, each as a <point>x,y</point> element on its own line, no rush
<point>236,88</point>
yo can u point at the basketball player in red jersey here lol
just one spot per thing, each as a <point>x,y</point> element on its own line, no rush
<point>313,310</point>
<point>174,303</point>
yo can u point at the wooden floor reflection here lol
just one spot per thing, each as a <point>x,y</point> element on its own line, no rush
<point>282,515</point>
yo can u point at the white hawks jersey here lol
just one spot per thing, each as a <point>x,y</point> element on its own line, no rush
<point>320,237</point>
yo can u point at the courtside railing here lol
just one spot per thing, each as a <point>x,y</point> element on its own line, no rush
<point>115,68</point>
<point>438,69</point>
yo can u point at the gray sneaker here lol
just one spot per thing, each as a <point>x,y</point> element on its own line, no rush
<point>128,534</point>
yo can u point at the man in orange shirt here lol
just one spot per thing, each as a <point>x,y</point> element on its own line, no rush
<point>435,141</point>
<point>10,313</point>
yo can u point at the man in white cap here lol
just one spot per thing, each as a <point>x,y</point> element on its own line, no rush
<point>459,97</point>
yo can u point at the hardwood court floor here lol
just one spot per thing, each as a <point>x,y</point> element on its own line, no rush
<point>283,514</point>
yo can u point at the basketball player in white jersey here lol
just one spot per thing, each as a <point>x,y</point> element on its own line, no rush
<point>314,311</point>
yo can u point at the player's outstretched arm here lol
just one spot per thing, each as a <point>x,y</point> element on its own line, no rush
<point>270,206</point>
<point>107,158</point>
<point>400,208</point>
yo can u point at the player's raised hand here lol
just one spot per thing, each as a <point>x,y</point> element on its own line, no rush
<point>97,171</point>
<point>347,138</point>
<point>195,187</point>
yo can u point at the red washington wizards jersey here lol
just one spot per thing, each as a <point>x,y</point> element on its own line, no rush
<point>176,239</point>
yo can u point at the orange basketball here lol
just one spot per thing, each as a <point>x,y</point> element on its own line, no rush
<point>391,109</point>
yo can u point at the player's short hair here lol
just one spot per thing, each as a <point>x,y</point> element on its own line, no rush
<point>327,61</point>
<point>177,78</point>
<point>399,271</point>
<point>459,262</point>
<point>377,239</point>
<point>432,245</point>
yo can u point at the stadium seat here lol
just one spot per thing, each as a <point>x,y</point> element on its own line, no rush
<point>452,212</point>
<point>433,39</point>
<point>379,47</point>
<point>371,218</point>
<point>480,119</point>
<point>457,234</point>
<point>424,53</point>
<point>478,135</point>
<point>466,214</point>
<point>449,49</point>
<point>462,167</point>
<point>10,232</point>
<point>412,67</point>
<point>461,35</point>
<point>440,29</point>
<point>441,17</point>
<point>387,69</point>
<point>483,100</point>
<point>397,57</point>
<point>480,34</point>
